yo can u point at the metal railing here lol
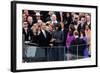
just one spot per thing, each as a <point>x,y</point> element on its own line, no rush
<point>33,53</point>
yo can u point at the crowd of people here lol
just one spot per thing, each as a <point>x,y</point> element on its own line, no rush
<point>51,28</point>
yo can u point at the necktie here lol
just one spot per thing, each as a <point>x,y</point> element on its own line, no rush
<point>44,33</point>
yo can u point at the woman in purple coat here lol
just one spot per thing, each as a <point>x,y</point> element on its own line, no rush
<point>69,39</point>
<point>70,36</point>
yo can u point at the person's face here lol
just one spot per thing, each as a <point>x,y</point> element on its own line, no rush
<point>54,18</point>
<point>81,33</point>
<point>24,17</point>
<point>35,25</point>
<point>43,26</point>
<point>25,25</point>
<point>38,17</point>
<point>67,14</point>
<point>47,28</point>
<point>50,13</point>
<point>87,27</point>
<point>39,22</point>
<point>56,28</point>
<point>76,18</point>
<point>88,18</point>
<point>30,19</point>
<point>72,13</point>
<point>82,20</point>
<point>76,34</point>
<point>26,12</point>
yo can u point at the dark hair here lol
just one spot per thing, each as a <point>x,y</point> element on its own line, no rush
<point>77,13</point>
<point>76,33</point>
<point>82,31</point>
<point>82,17</point>
<point>71,26</point>
<point>59,26</point>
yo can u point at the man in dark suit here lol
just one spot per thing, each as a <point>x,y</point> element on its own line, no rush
<point>30,22</point>
<point>26,31</point>
<point>82,24</point>
<point>75,19</point>
<point>44,38</point>
<point>67,19</point>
